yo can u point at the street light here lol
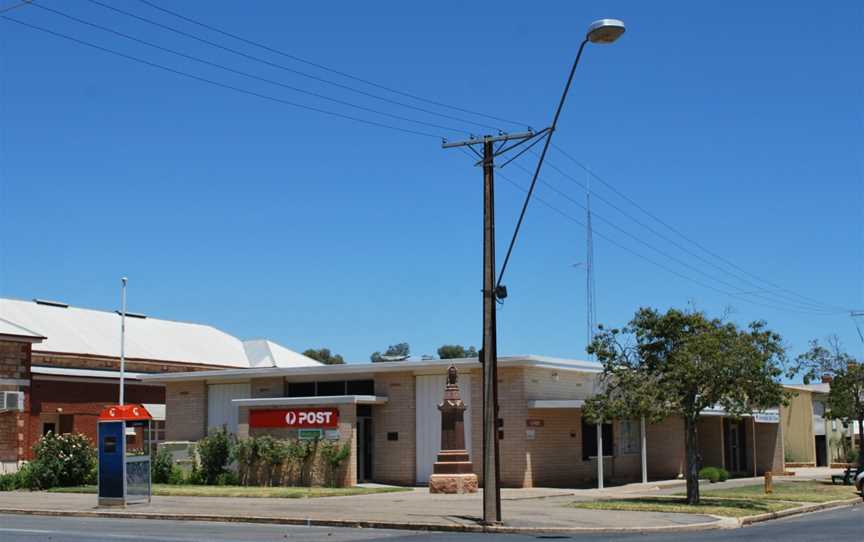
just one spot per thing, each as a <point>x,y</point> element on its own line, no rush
<point>605,31</point>
<point>600,31</point>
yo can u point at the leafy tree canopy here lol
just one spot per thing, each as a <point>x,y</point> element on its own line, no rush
<point>455,351</point>
<point>679,364</point>
<point>394,352</point>
<point>324,356</point>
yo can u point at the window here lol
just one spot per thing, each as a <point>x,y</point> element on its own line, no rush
<point>325,389</point>
<point>301,389</point>
<point>630,435</point>
<point>48,427</point>
<point>589,440</point>
<point>361,387</point>
<point>67,423</point>
<point>331,388</point>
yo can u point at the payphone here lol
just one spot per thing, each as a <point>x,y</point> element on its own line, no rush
<point>123,433</point>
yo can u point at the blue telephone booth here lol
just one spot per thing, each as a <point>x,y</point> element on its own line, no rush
<point>123,433</point>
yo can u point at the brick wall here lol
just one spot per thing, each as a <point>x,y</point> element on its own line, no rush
<point>710,429</point>
<point>394,461</point>
<point>267,387</point>
<point>14,364</point>
<point>769,448</point>
<point>113,364</point>
<point>185,410</point>
<point>665,446</point>
<point>82,400</point>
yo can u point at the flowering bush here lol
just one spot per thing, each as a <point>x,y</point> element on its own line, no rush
<point>60,460</point>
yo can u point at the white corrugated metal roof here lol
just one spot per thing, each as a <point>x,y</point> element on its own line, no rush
<point>13,330</point>
<point>73,330</point>
<point>264,353</point>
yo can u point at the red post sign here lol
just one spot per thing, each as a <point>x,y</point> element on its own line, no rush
<point>295,418</point>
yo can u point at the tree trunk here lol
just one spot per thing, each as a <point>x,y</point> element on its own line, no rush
<point>691,469</point>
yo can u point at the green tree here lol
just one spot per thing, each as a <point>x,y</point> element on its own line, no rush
<point>681,363</point>
<point>394,352</point>
<point>456,351</point>
<point>324,356</point>
<point>846,397</point>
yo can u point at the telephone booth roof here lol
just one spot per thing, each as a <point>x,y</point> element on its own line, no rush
<point>128,412</point>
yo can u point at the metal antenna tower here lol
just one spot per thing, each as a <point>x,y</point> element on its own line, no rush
<point>590,294</point>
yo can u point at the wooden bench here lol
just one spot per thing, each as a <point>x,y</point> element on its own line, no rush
<point>848,475</point>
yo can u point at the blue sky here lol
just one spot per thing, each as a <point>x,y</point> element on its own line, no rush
<point>739,124</point>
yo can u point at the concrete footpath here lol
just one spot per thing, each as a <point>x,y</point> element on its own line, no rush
<point>541,510</point>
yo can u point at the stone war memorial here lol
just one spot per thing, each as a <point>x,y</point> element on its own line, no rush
<point>452,472</point>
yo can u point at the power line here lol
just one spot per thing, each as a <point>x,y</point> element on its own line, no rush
<point>642,256</point>
<point>819,306</point>
<point>281,66</point>
<point>219,84</point>
<point>664,253</point>
<point>326,68</point>
<point>689,239</point>
<point>245,74</point>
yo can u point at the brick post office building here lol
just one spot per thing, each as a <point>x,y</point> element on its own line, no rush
<point>60,365</point>
<point>388,413</point>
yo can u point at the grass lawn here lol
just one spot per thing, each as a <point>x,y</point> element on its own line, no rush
<point>168,490</point>
<point>809,491</point>
<point>721,507</point>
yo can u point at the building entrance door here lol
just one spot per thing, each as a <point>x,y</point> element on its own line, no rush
<point>365,439</point>
<point>736,459</point>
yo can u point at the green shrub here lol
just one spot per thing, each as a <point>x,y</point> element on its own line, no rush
<point>214,453</point>
<point>245,453</point>
<point>60,460</point>
<point>333,455</point>
<point>714,474</point>
<point>176,477</point>
<point>272,454</point>
<point>227,478</point>
<point>10,482</point>
<point>161,466</point>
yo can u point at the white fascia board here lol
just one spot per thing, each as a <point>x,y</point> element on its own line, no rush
<point>556,403</point>
<point>372,368</point>
<point>323,400</point>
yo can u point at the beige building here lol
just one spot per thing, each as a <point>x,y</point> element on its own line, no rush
<point>811,439</point>
<point>387,413</point>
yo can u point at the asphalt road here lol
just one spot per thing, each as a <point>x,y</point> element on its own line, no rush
<point>835,526</point>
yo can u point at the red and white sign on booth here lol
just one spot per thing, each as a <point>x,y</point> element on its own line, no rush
<point>295,418</point>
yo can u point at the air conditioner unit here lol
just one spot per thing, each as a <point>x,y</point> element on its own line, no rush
<point>12,400</point>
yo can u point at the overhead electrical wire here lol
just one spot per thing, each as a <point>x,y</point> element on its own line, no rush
<point>326,68</point>
<point>282,66</point>
<point>646,258</point>
<point>668,255</point>
<point>246,74</point>
<point>760,288</point>
<point>678,232</point>
<point>218,83</point>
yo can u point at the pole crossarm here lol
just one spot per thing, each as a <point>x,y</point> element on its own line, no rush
<point>487,139</point>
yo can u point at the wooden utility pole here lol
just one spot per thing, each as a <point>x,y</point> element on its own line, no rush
<point>491,293</point>
<point>491,492</point>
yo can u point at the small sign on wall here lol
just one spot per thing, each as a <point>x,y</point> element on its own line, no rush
<point>534,422</point>
<point>530,434</point>
<point>309,434</point>
<point>332,434</point>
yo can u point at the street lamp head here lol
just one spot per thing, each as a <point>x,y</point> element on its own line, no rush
<point>605,31</point>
